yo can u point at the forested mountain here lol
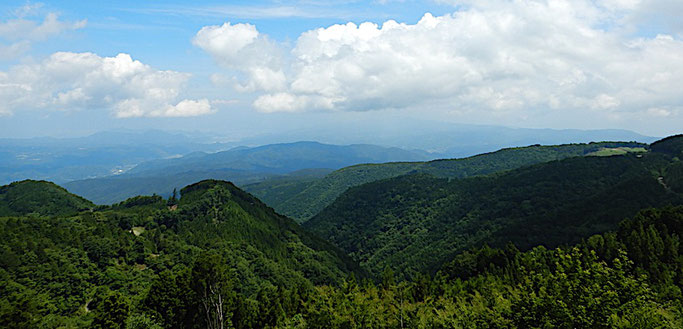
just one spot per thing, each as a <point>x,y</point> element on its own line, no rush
<point>139,264</point>
<point>39,198</point>
<point>631,278</point>
<point>416,222</point>
<point>218,257</point>
<point>152,256</point>
<point>438,247</point>
<point>302,200</point>
<point>240,165</point>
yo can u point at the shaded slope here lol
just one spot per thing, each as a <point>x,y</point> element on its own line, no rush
<point>30,197</point>
<point>414,223</point>
<point>672,145</point>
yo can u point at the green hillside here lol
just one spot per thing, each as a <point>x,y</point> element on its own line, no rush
<point>414,223</point>
<point>302,199</point>
<point>630,278</point>
<point>73,271</point>
<point>39,198</point>
<point>218,257</point>
<point>672,145</point>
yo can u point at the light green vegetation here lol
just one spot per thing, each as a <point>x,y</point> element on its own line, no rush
<point>617,151</point>
<point>137,230</point>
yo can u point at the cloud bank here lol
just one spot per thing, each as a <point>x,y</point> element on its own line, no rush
<point>80,81</point>
<point>523,57</point>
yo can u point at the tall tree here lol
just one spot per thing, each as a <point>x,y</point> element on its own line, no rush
<point>213,287</point>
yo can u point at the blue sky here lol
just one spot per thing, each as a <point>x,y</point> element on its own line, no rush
<point>241,68</point>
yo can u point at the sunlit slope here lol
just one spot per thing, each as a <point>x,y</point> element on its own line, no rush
<point>39,198</point>
<point>62,265</point>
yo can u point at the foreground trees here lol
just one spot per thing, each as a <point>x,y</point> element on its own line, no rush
<point>126,269</point>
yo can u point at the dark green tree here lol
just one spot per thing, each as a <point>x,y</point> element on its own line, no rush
<point>111,312</point>
<point>173,200</point>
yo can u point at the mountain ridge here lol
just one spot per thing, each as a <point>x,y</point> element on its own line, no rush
<point>408,223</point>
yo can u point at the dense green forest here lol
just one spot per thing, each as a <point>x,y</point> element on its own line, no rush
<point>39,198</point>
<point>570,243</point>
<point>94,270</point>
<point>64,270</point>
<point>301,199</point>
<point>416,222</point>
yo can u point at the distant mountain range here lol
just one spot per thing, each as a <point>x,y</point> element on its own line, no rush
<point>240,165</point>
<point>451,140</point>
<point>156,161</point>
<point>101,154</point>
<point>280,158</point>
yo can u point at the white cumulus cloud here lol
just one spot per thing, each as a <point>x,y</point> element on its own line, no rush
<point>240,47</point>
<point>79,81</point>
<point>523,57</point>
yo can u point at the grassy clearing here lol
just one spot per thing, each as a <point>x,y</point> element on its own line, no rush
<point>605,152</point>
<point>137,230</point>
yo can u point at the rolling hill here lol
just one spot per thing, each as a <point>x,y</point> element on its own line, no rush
<point>302,199</point>
<point>414,223</point>
<point>39,198</point>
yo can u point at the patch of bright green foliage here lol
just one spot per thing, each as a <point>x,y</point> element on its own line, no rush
<point>617,151</point>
